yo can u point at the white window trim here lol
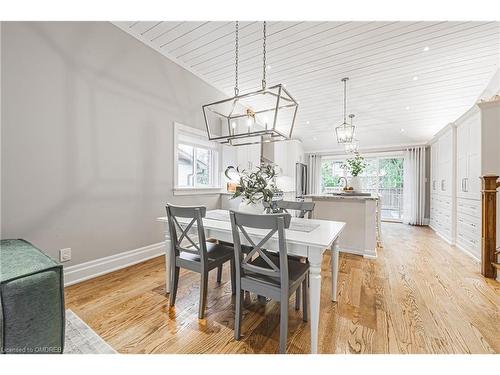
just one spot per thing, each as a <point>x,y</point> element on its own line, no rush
<point>186,190</point>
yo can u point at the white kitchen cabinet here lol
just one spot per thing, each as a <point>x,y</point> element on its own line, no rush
<point>456,212</point>
<point>469,156</point>
<point>442,214</point>
<point>434,169</point>
<point>468,223</point>
<point>445,163</point>
<point>285,154</point>
<point>248,156</point>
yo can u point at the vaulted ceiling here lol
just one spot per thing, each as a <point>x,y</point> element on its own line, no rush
<point>407,79</point>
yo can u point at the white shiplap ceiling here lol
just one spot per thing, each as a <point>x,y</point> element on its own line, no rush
<point>407,79</point>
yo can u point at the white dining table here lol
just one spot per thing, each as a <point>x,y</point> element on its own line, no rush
<point>308,238</point>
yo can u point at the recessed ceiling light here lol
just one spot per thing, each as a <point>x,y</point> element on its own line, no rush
<point>415,78</point>
<point>426,48</point>
<point>315,138</point>
<point>407,107</point>
<point>402,130</point>
<point>284,85</point>
<point>268,67</point>
<point>307,122</point>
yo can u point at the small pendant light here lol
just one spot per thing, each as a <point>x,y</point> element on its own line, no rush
<point>345,131</point>
<point>352,147</point>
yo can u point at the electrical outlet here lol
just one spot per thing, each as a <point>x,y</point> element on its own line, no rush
<point>65,255</point>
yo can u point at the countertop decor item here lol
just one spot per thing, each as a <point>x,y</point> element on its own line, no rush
<point>355,166</point>
<point>254,187</point>
<point>265,115</point>
<point>345,131</point>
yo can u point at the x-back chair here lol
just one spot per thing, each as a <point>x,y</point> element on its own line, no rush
<point>303,207</point>
<point>198,255</point>
<point>270,275</point>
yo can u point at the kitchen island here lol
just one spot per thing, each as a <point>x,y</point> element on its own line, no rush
<point>361,215</point>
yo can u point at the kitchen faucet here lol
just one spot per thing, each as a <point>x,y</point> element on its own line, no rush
<point>345,179</point>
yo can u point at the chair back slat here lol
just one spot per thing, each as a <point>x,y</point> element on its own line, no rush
<point>267,221</point>
<point>303,207</point>
<point>180,234</point>
<point>275,223</point>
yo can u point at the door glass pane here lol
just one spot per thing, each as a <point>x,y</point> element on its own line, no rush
<point>369,177</point>
<point>185,165</point>
<point>391,187</point>
<point>203,162</point>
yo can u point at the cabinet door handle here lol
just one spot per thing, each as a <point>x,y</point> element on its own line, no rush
<point>463,179</point>
<point>466,180</point>
<point>442,185</point>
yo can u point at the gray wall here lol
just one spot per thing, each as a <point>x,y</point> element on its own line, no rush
<point>87,115</point>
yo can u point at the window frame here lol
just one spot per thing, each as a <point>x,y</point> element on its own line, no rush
<point>199,140</point>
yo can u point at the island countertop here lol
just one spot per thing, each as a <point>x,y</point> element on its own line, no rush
<point>361,215</point>
<point>373,196</point>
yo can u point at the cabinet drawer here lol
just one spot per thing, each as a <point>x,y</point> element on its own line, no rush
<point>471,229</point>
<point>468,241</point>
<point>444,201</point>
<point>469,220</point>
<point>469,206</point>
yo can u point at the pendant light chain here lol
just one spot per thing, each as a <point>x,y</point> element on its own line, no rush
<point>345,100</point>
<point>264,83</point>
<point>260,109</point>
<point>236,89</point>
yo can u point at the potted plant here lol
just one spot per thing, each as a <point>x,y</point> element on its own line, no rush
<point>355,166</point>
<point>253,187</point>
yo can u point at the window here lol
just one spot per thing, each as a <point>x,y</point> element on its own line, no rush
<point>331,172</point>
<point>196,160</point>
<point>382,175</point>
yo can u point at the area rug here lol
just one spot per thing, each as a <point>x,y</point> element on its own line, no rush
<point>81,339</point>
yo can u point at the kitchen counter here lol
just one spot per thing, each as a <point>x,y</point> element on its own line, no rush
<point>361,215</point>
<point>346,196</point>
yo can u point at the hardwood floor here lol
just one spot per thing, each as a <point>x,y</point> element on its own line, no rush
<point>419,296</point>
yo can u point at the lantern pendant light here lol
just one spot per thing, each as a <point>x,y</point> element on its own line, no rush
<point>345,131</point>
<point>265,115</point>
<point>352,147</point>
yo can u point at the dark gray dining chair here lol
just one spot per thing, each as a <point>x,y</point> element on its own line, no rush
<point>303,207</point>
<point>272,275</point>
<point>196,255</point>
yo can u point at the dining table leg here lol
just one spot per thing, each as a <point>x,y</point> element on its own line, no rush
<point>167,262</point>
<point>335,268</point>
<point>315,295</point>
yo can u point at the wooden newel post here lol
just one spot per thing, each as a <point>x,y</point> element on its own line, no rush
<point>488,231</point>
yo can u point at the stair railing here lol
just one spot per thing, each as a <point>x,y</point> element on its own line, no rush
<point>489,252</point>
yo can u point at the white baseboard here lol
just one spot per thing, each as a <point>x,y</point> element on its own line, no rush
<point>467,252</point>
<point>89,270</point>
<point>444,238</point>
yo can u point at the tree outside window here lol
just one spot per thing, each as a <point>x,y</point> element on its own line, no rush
<point>382,175</point>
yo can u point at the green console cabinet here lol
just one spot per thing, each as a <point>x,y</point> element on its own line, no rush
<point>31,300</point>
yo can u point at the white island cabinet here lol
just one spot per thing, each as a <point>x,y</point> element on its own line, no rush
<point>361,215</point>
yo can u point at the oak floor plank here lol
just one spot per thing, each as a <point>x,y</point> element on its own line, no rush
<point>419,296</point>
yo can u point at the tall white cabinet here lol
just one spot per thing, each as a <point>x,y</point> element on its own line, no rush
<point>442,185</point>
<point>468,184</point>
<point>460,155</point>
